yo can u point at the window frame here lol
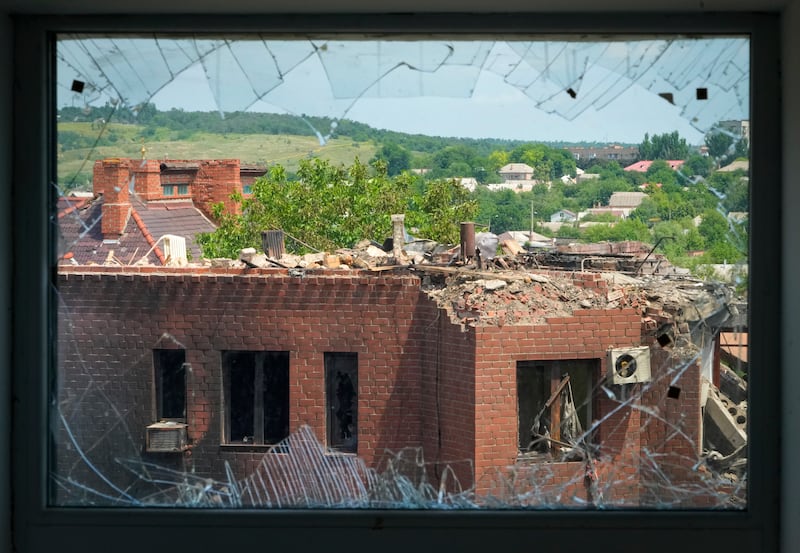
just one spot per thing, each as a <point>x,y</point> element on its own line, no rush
<point>38,527</point>
<point>158,385</point>
<point>552,369</point>
<point>332,360</point>
<point>259,369</point>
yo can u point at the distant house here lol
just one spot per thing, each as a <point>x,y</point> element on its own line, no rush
<point>624,200</point>
<point>738,165</point>
<point>563,216</point>
<point>610,152</point>
<point>583,177</point>
<point>738,127</point>
<point>643,166</point>
<point>516,171</point>
<point>144,210</point>
<point>620,205</point>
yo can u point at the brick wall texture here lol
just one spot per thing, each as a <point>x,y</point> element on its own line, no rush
<point>423,381</point>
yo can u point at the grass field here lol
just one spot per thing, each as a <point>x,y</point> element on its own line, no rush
<point>75,166</point>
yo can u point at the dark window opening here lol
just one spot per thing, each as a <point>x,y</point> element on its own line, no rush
<point>170,380</point>
<point>256,396</point>
<point>555,406</point>
<point>341,377</point>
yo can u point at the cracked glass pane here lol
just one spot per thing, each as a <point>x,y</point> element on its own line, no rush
<point>338,272</point>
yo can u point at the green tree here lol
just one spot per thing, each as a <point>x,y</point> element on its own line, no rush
<point>697,165</point>
<point>397,158</point>
<point>441,210</point>
<point>714,227</point>
<point>741,149</point>
<point>664,146</point>
<point>326,207</point>
<point>718,145</point>
<point>660,172</point>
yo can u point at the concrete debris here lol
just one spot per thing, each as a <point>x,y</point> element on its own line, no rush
<point>376,252</point>
<point>725,428</point>
<point>732,386</point>
<point>492,285</point>
<point>722,432</point>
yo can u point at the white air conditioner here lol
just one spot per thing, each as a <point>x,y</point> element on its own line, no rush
<point>166,437</point>
<point>629,365</point>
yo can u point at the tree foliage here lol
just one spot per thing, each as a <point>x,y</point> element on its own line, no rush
<point>397,158</point>
<point>329,207</point>
<point>664,146</point>
<point>718,144</point>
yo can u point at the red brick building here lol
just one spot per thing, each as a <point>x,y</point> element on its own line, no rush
<point>373,364</point>
<point>136,203</point>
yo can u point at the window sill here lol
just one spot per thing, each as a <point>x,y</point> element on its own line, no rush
<point>245,448</point>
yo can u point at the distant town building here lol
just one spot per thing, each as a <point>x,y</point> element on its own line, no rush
<point>516,171</point>
<point>740,128</point>
<point>563,216</point>
<point>738,165</point>
<point>643,166</point>
<point>610,152</point>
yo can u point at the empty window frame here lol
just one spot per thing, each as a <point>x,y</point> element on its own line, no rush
<point>341,391</point>
<point>170,384</point>
<point>256,388</point>
<point>556,406</point>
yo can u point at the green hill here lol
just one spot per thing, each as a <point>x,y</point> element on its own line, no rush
<point>76,154</point>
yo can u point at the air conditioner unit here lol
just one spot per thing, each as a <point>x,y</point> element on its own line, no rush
<point>629,365</point>
<point>166,437</point>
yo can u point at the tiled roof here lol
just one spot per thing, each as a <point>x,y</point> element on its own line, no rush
<point>738,165</point>
<point>175,217</point>
<point>516,168</point>
<point>643,166</point>
<point>81,238</point>
<point>626,199</point>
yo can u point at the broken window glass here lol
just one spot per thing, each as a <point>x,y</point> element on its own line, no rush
<point>256,396</point>
<point>170,381</point>
<point>508,273</point>
<point>341,377</point>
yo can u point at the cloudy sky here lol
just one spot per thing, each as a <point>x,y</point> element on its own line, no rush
<point>605,92</point>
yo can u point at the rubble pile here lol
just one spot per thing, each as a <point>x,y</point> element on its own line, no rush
<point>509,297</point>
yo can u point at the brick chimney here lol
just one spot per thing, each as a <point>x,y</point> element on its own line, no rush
<point>147,178</point>
<point>111,179</point>
<point>216,180</point>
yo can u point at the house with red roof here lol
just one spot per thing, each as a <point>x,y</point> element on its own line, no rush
<point>643,166</point>
<point>141,211</point>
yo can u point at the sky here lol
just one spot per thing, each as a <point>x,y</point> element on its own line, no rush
<point>495,111</point>
<point>602,92</point>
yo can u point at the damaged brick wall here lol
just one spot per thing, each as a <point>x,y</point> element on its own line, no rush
<point>214,183</point>
<point>447,361</point>
<point>424,379</point>
<point>110,321</point>
<point>586,335</point>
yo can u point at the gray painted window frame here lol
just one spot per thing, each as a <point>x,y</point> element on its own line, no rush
<point>41,528</point>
